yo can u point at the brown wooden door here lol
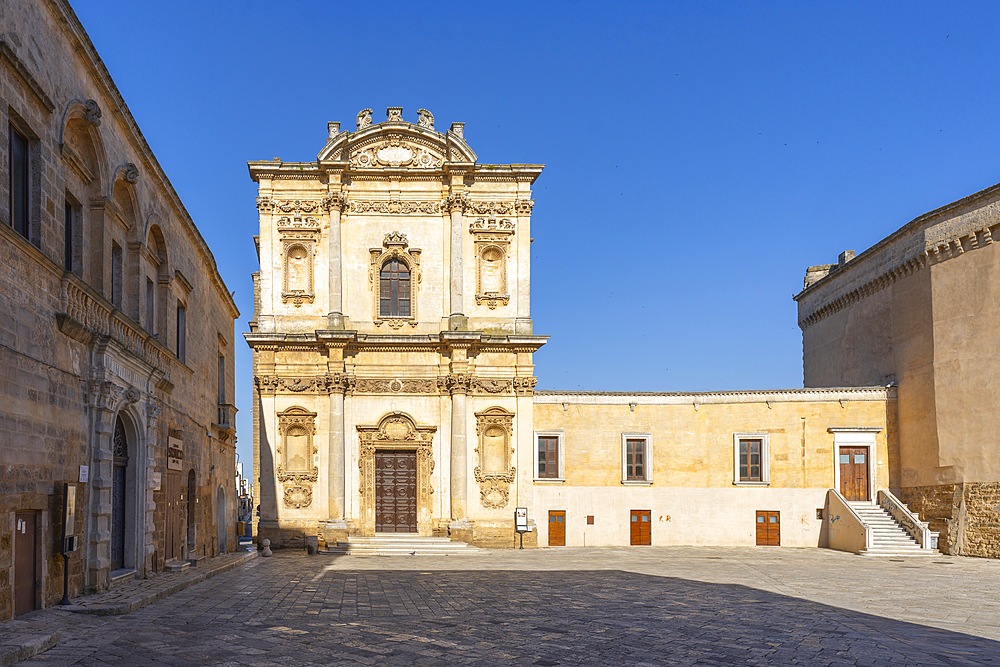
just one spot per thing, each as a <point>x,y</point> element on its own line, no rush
<point>854,473</point>
<point>557,528</point>
<point>395,492</point>
<point>768,529</point>
<point>172,520</point>
<point>25,563</point>
<point>639,528</point>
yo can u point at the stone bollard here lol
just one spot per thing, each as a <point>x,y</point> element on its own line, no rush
<point>312,544</point>
<point>267,548</point>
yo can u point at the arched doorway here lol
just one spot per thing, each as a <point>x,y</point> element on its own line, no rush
<point>119,494</point>
<point>192,545</point>
<point>221,525</point>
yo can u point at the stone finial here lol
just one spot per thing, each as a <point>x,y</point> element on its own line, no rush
<point>845,257</point>
<point>394,114</point>
<point>425,119</point>
<point>333,129</point>
<point>266,551</point>
<point>364,118</point>
<point>457,129</point>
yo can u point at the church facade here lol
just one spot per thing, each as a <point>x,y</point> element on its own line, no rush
<point>394,385</point>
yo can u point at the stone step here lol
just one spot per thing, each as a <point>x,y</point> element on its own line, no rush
<point>399,545</point>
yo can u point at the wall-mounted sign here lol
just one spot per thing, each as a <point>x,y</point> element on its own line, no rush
<point>175,454</point>
<point>69,518</point>
<point>521,520</point>
<point>84,474</point>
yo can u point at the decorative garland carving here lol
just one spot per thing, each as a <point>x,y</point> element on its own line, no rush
<point>396,386</point>
<point>396,207</point>
<point>323,384</point>
<point>395,152</point>
<point>491,386</point>
<point>489,207</point>
<point>394,246</point>
<point>396,432</point>
<point>297,206</point>
<point>491,424</point>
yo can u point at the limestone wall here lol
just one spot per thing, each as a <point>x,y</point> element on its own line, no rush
<point>93,337</point>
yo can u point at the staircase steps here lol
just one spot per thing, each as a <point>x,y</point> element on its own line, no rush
<point>889,538</point>
<point>399,544</point>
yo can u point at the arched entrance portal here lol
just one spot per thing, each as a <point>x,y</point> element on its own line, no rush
<point>221,525</point>
<point>119,494</point>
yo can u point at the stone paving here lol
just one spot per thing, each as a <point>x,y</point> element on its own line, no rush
<point>684,606</point>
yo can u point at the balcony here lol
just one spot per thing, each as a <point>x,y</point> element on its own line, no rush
<point>226,424</point>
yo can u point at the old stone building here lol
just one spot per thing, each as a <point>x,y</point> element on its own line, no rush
<point>116,340</point>
<point>394,383</point>
<point>920,309</point>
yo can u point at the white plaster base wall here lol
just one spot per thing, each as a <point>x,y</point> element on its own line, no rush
<point>680,516</point>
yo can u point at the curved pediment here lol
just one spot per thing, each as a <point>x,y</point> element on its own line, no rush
<point>396,143</point>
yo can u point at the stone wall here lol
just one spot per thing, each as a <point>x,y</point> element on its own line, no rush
<point>81,344</point>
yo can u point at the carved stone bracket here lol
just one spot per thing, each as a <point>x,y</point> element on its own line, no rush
<point>525,386</point>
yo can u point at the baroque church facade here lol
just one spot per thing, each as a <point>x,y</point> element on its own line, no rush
<point>116,341</point>
<point>395,391</point>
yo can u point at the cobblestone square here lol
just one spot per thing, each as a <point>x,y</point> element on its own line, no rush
<point>687,606</point>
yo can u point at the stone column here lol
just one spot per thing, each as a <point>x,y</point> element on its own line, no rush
<point>459,481</point>
<point>334,204</point>
<point>456,319</point>
<point>336,455</point>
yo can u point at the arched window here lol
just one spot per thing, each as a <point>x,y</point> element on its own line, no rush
<point>394,289</point>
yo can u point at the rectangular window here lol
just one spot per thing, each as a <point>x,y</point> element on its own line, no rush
<point>150,306</point>
<point>549,456</point>
<point>636,464</point>
<point>222,379</point>
<point>116,275</point>
<point>182,333</point>
<point>19,170</point>
<point>69,238</point>
<point>750,459</point>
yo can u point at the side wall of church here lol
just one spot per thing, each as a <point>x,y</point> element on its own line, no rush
<point>90,332</point>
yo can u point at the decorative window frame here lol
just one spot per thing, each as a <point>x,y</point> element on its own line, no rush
<point>647,438</point>
<point>494,485</point>
<point>297,230</point>
<point>765,458</point>
<point>298,484</point>
<point>560,477</point>
<point>394,246</point>
<point>492,233</point>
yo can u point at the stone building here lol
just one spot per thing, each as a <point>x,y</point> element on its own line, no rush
<point>394,383</point>
<point>920,309</point>
<point>116,341</point>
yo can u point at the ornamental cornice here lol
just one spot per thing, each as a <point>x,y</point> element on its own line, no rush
<point>265,204</point>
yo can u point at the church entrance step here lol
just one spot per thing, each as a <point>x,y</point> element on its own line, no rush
<point>399,544</point>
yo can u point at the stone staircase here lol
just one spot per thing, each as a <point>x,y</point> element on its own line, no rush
<point>889,538</point>
<point>399,544</point>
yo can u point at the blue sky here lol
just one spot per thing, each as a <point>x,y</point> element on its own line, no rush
<point>699,155</point>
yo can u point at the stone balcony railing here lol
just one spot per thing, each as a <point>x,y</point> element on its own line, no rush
<point>86,314</point>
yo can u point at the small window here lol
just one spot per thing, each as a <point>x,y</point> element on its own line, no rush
<point>71,236</point>
<point>116,275</point>
<point>750,459</point>
<point>636,463</point>
<point>394,289</point>
<point>19,181</point>
<point>222,379</point>
<point>150,306</point>
<point>182,333</point>
<point>548,456</point>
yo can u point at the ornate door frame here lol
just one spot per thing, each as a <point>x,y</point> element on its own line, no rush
<point>396,432</point>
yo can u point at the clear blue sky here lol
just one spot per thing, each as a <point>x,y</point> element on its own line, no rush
<point>699,155</point>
